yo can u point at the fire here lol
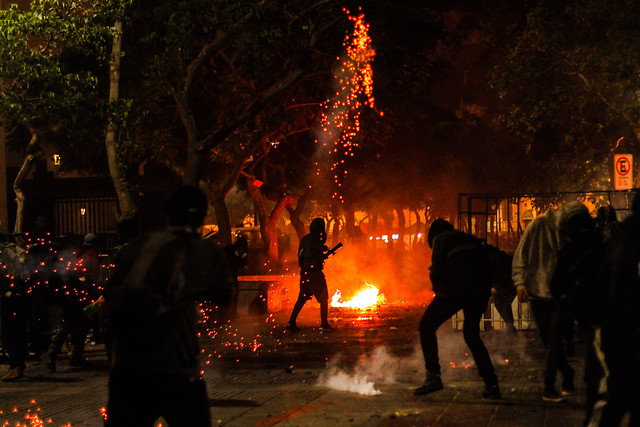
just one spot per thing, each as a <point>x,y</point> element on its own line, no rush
<point>368,297</point>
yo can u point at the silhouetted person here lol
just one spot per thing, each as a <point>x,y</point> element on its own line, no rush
<point>574,284</point>
<point>461,279</point>
<point>238,256</point>
<point>15,306</point>
<point>152,314</point>
<point>503,292</point>
<point>312,252</point>
<point>618,338</point>
<point>534,262</point>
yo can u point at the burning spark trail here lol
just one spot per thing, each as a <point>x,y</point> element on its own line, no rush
<point>341,119</point>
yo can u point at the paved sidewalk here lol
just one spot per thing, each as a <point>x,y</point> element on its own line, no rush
<point>361,374</point>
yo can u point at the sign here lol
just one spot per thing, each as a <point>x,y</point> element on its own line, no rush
<point>623,165</point>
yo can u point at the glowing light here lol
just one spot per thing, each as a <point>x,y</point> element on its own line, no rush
<point>366,298</point>
<point>342,114</point>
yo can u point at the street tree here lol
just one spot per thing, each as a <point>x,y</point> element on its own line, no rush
<point>51,56</point>
<point>570,85</point>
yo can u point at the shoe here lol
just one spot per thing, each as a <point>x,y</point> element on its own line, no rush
<point>326,327</point>
<point>552,396</point>
<point>433,383</point>
<point>491,392</point>
<point>292,327</point>
<point>14,374</point>
<point>567,385</point>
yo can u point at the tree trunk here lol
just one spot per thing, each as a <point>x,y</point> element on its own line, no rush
<point>34,152</point>
<point>116,166</point>
<point>294,215</point>
<point>401,227</point>
<point>222,215</point>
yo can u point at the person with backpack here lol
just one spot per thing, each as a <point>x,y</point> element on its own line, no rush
<point>461,279</point>
<point>151,308</point>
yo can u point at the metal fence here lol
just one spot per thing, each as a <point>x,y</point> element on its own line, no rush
<point>85,215</point>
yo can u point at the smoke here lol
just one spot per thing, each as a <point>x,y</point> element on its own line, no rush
<point>379,367</point>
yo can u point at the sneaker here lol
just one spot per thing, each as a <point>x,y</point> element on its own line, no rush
<point>326,327</point>
<point>491,392</point>
<point>14,374</point>
<point>292,327</point>
<point>567,385</point>
<point>552,396</point>
<point>433,383</point>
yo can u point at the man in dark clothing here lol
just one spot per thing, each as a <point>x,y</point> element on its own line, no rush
<point>461,279</point>
<point>312,253</point>
<point>503,291</point>
<point>151,310</point>
<point>617,341</point>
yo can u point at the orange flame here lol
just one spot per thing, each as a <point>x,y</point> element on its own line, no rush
<point>368,297</point>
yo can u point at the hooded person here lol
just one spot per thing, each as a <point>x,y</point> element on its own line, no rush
<point>617,332</point>
<point>152,314</point>
<point>534,263</point>
<point>460,275</point>
<point>312,252</point>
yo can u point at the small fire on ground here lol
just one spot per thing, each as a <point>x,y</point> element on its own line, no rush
<point>367,297</point>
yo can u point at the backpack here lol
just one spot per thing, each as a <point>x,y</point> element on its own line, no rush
<point>139,314</point>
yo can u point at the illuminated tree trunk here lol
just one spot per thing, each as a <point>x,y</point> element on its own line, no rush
<point>34,152</point>
<point>294,215</point>
<point>401,227</point>
<point>222,216</point>
<point>116,166</point>
<point>268,220</point>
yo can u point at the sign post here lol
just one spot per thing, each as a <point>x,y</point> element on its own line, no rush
<point>623,165</point>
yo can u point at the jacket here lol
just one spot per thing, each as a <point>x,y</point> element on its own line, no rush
<point>535,258</point>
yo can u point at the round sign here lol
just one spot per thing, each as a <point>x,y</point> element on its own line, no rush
<point>623,166</point>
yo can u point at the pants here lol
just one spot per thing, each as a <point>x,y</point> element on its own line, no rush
<point>138,399</point>
<point>15,317</point>
<point>312,284</point>
<point>549,316</point>
<point>75,325</point>
<point>441,309</point>
<point>618,349</point>
<point>502,300</point>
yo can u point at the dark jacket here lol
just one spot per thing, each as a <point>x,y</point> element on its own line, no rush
<point>312,253</point>
<point>459,265</point>
<point>151,300</point>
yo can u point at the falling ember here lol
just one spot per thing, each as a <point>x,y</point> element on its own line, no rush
<point>368,297</point>
<point>341,116</point>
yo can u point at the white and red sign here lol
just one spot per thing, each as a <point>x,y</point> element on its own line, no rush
<point>623,165</point>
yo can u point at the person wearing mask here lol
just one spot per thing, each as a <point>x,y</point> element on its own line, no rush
<point>151,310</point>
<point>312,252</point>
<point>534,263</point>
<point>461,280</point>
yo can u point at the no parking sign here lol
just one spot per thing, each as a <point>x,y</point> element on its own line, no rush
<point>623,165</point>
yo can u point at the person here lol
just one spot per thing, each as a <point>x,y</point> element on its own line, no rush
<point>237,256</point>
<point>312,252</point>
<point>534,262</point>
<point>503,291</point>
<point>574,285</point>
<point>72,294</point>
<point>150,302</point>
<point>15,306</point>
<point>461,279</point>
<point>617,339</point>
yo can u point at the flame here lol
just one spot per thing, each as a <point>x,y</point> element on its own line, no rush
<point>368,297</point>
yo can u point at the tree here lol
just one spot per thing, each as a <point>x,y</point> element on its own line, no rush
<point>50,58</point>
<point>569,84</point>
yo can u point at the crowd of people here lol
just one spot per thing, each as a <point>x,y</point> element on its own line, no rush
<point>39,273</point>
<point>580,274</point>
<point>573,269</point>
